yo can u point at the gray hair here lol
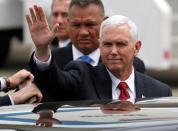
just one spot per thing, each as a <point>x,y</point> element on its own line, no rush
<point>118,20</point>
<point>85,3</point>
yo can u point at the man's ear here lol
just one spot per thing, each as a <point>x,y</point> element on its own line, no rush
<point>138,45</point>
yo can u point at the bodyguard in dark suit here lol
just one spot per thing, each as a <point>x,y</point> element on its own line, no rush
<point>84,20</point>
<point>115,78</point>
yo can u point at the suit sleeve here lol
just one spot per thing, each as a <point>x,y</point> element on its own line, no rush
<point>55,82</point>
<point>66,83</point>
<point>5,101</point>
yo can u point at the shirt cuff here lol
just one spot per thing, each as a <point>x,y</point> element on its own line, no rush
<point>12,101</point>
<point>40,64</point>
<point>3,83</point>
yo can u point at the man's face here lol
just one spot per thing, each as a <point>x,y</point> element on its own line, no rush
<point>117,49</point>
<point>59,14</point>
<point>84,24</point>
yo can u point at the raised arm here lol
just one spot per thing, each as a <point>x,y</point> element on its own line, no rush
<point>40,32</point>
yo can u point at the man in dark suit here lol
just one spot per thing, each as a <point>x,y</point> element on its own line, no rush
<point>24,94</point>
<point>114,79</point>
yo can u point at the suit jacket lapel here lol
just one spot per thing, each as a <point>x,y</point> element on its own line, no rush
<point>103,83</point>
<point>67,54</point>
<point>139,85</point>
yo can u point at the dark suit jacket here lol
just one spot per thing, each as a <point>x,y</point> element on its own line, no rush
<point>81,81</point>
<point>5,100</point>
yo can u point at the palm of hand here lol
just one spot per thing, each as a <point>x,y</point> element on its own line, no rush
<point>41,33</point>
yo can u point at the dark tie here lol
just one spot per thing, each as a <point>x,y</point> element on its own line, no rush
<point>85,58</point>
<point>124,95</point>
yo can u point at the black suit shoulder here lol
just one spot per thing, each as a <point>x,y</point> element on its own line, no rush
<point>152,87</point>
<point>139,65</point>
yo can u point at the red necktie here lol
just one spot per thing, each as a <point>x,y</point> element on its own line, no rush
<point>124,95</point>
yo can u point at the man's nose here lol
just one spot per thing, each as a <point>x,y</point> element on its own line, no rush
<point>114,49</point>
<point>60,19</point>
<point>83,31</point>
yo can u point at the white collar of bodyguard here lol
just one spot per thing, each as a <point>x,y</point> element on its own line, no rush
<point>95,55</point>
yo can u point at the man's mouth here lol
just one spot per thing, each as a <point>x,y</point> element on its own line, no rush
<point>61,29</point>
<point>84,40</point>
<point>114,60</point>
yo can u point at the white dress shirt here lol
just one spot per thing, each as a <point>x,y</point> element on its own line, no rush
<point>130,82</point>
<point>64,43</point>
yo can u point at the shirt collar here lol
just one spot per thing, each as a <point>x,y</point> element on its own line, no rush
<point>130,81</point>
<point>64,43</point>
<point>95,55</point>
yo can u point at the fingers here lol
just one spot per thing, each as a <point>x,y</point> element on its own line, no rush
<point>42,14</point>
<point>55,29</point>
<point>37,93</point>
<point>24,76</point>
<point>29,22</point>
<point>36,14</point>
<point>31,100</point>
<point>39,97</point>
<point>28,94</point>
<point>33,16</point>
<point>19,77</point>
<point>31,77</point>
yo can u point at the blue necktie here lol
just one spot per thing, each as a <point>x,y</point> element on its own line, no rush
<point>85,58</point>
